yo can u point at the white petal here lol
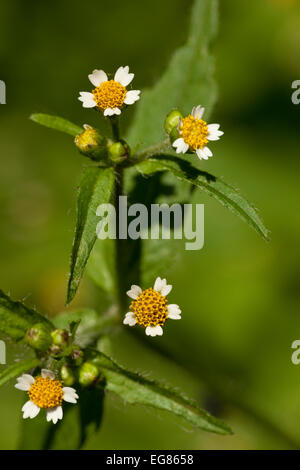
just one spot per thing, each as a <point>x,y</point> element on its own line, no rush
<point>180,145</point>
<point>87,99</point>
<point>108,112</point>
<point>134,292</point>
<point>132,96</point>
<point>30,410</point>
<point>24,382</point>
<point>166,290</point>
<point>70,395</point>
<point>48,374</point>
<point>54,414</point>
<point>158,284</point>
<point>111,111</point>
<point>116,111</point>
<point>123,76</point>
<point>129,319</point>
<point>198,112</point>
<point>154,330</point>
<point>207,152</point>
<point>98,77</point>
<point>201,154</point>
<point>213,127</point>
<point>215,135</point>
<point>174,312</point>
<point>24,386</point>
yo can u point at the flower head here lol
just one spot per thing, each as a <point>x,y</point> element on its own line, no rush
<point>195,134</point>
<point>150,307</point>
<point>46,392</point>
<point>110,95</point>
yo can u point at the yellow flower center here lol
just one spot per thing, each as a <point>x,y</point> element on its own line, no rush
<point>88,139</point>
<point>194,132</point>
<point>109,94</point>
<point>46,393</point>
<point>150,308</point>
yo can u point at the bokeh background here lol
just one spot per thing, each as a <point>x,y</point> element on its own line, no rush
<point>239,295</point>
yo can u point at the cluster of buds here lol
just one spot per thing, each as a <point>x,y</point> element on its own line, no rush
<point>57,343</point>
<point>93,145</point>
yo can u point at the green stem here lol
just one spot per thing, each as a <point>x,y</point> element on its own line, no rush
<point>153,150</point>
<point>119,245</point>
<point>119,254</point>
<point>114,120</point>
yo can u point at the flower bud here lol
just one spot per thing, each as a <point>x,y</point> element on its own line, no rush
<point>174,134</point>
<point>118,152</point>
<point>67,376</point>
<point>91,144</point>
<point>39,337</point>
<point>60,338</point>
<point>88,374</point>
<point>55,350</point>
<point>77,356</point>
<point>172,120</point>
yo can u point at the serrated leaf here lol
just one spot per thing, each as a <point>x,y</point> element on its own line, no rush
<point>17,369</point>
<point>57,123</point>
<point>187,81</point>
<point>136,389</point>
<point>215,187</point>
<point>95,188</point>
<point>16,318</point>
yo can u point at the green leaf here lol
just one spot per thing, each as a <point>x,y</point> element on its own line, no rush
<point>136,389</point>
<point>17,369</point>
<point>95,188</point>
<point>215,187</point>
<point>187,81</point>
<point>16,318</point>
<point>57,123</point>
<point>101,265</point>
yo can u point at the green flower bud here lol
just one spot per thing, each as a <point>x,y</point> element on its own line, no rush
<point>172,120</point>
<point>60,338</point>
<point>55,350</point>
<point>67,376</point>
<point>91,144</point>
<point>118,152</point>
<point>88,374</point>
<point>39,337</point>
<point>77,356</point>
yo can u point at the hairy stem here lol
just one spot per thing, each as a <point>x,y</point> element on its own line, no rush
<point>153,150</point>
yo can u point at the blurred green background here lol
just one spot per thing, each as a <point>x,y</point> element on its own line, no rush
<point>240,297</point>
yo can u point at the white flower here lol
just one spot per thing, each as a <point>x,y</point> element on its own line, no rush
<point>45,392</point>
<point>195,134</point>
<point>110,95</point>
<point>150,307</point>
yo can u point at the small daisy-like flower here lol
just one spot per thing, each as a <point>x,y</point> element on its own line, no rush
<point>110,95</point>
<point>46,392</point>
<point>150,307</point>
<point>195,134</point>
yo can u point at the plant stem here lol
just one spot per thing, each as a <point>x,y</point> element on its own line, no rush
<point>153,150</point>
<point>119,256</point>
<point>115,128</point>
